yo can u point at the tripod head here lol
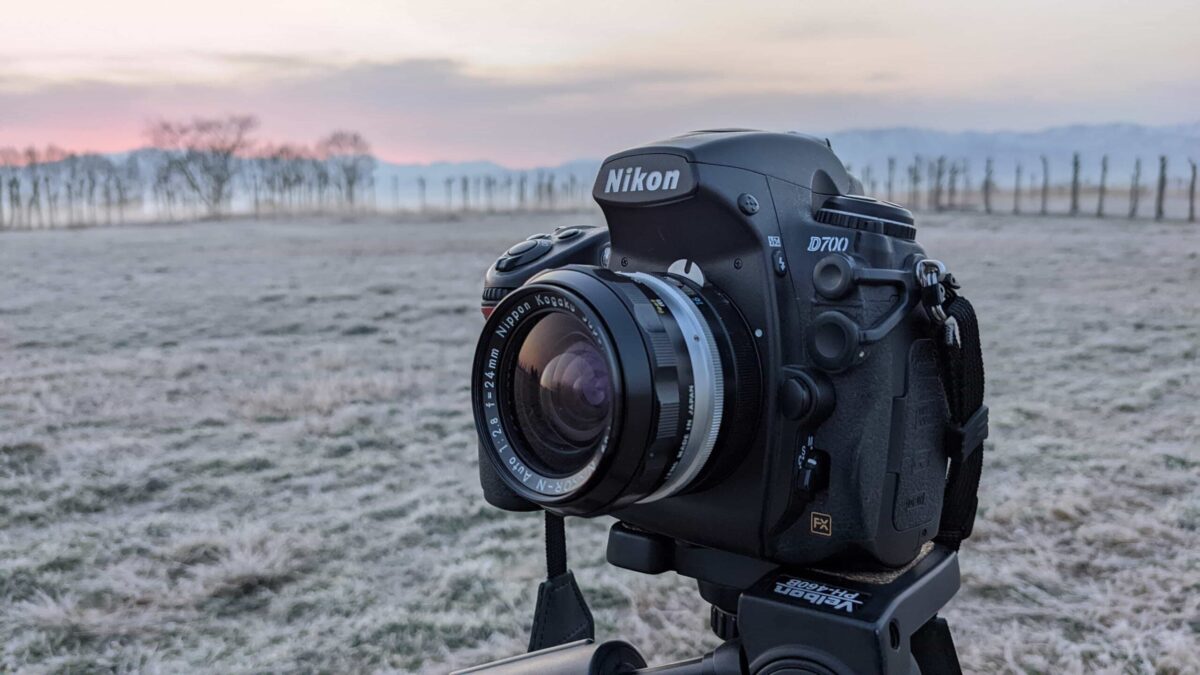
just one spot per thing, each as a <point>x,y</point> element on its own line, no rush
<point>778,621</point>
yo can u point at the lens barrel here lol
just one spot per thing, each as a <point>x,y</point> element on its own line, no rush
<point>594,390</point>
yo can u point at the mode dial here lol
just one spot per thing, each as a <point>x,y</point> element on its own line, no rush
<point>871,215</point>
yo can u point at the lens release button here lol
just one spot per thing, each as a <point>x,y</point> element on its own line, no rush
<point>805,396</point>
<point>795,399</point>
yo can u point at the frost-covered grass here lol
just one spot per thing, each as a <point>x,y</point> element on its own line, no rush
<point>248,446</point>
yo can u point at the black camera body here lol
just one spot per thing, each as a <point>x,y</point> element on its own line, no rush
<point>740,361</point>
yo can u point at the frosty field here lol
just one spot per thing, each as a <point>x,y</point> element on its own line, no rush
<point>247,447</point>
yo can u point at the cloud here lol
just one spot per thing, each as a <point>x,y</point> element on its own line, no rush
<point>426,109</point>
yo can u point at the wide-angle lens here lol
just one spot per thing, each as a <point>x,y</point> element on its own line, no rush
<point>595,390</point>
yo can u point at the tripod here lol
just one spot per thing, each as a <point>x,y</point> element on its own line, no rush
<point>777,621</point>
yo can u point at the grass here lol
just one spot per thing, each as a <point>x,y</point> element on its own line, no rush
<point>262,458</point>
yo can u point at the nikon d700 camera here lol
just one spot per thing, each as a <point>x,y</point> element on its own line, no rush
<point>745,359</point>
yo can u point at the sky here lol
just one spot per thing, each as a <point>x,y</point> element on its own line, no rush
<point>529,83</point>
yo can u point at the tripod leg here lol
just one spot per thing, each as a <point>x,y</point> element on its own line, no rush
<point>933,648</point>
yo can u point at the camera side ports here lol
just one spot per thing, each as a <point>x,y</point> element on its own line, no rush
<point>833,276</point>
<point>833,341</point>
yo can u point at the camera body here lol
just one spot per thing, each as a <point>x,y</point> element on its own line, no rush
<point>829,440</point>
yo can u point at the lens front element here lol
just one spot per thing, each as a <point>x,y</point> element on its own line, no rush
<point>562,393</point>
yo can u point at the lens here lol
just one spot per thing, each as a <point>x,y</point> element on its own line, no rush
<point>595,390</point>
<point>562,393</point>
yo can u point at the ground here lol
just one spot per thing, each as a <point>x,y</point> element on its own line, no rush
<point>247,447</point>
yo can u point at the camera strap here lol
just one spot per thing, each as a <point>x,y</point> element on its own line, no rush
<point>562,613</point>
<point>961,363</point>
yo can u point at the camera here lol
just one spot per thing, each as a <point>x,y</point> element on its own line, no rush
<point>742,360</point>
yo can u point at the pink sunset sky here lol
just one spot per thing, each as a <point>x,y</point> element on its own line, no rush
<point>527,83</point>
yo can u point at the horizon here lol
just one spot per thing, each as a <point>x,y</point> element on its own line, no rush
<point>259,143</point>
<point>528,84</point>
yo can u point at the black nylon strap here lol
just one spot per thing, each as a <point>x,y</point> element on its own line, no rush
<point>962,378</point>
<point>556,546</point>
<point>562,613</point>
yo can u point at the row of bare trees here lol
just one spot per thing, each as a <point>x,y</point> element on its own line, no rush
<point>52,187</point>
<point>942,184</point>
<point>206,161</point>
<point>489,193</point>
<point>214,167</point>
<point>202,168</point>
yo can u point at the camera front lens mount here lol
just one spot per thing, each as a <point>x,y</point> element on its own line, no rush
<point>707,394</point>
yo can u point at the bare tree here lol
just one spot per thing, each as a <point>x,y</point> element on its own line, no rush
<point>1103,186</point>
<point>952,191</point>
<point>891,178</point>
<point>965,198</point>
<point>10,159</point>
<point>1017,191</point>
<point>1192,193</point>
<point>206,154</point>
<point>33,178</point>
<point>988,184</point>
<point>1045,184</point>
<point>914,174</point>
<point>937,172</point>
<point>1075,184</point>
<point>1135,188</point>
<point>1160,197</point>
<point>351,164</point>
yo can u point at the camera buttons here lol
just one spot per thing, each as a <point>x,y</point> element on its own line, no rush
<point>522,253</point>
<point>805,396</point>
<point>521,248</point>
<point>748,203</point>
<point>569,233</point>
<point>779,263</point>
<point>795,399</point>
<point>541,235</point>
